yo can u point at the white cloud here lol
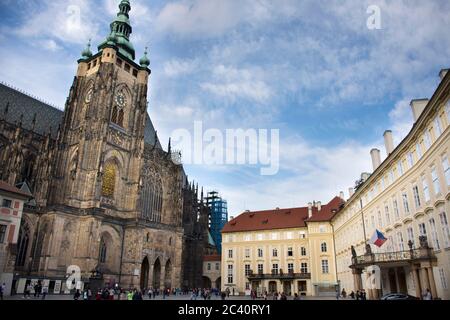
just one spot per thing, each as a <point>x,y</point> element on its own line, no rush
<point>69,22</point>
<point>177,67</point>
<point>235,83</point>
<point>50,45</point>
<point>402,120</point>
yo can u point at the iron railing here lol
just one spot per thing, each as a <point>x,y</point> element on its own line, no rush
<point>400,256</point>
<point>278,275</point>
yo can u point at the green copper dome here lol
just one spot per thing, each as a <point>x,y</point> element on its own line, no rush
<point>120,32</point>
<point>145,61</point>
<point>87,53</point>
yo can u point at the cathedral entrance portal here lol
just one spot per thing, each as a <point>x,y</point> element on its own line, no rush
<point>145,268</point>
<point>157,274</point>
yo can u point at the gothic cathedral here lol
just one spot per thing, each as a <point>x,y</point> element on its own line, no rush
<point>106,196</point>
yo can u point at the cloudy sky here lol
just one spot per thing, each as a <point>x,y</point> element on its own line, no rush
<point>311,69</point>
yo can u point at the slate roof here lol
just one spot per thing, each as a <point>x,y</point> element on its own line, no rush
<point>11,189</point>
<point>282,218</point>
<point>47,116</point>
<point>22,104</point>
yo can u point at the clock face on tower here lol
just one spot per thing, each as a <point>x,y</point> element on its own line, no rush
<point>120,99</point>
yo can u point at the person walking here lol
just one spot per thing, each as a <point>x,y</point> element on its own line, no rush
<point>2,290</point>
<point>44,292</point>
<point>352,295</point>
<point>344,293</point>
<point>427,295</point>
<point>77,295</point>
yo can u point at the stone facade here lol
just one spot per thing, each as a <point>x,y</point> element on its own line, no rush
<point>107,197</point>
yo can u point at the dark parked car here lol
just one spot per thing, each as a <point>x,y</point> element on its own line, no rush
<point>398,296</point>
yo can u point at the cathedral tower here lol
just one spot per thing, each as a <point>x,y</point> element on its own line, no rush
<point>102,134</point>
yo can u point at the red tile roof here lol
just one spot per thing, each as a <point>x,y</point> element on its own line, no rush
<point>282,218</point>
<point>11,189</point>
<point>214,257</point>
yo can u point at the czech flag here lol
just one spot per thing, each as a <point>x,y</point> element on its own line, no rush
<point>378,239</point>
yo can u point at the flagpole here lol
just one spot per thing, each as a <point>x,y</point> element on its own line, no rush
<point>363,223</point>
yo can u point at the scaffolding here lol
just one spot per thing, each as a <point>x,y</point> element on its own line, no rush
<point>218,217</point>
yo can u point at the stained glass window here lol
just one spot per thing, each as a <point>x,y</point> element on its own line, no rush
<point>109,180</point>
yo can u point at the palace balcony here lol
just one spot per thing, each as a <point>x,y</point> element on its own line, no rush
<point>278,276</point>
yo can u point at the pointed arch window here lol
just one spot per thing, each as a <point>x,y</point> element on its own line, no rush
<point>23,242</point>
<point>103,250</point>
<point>109,180</point>
<point>151,199</point>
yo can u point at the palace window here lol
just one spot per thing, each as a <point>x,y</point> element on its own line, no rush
<point>386,212</point>
<point>410,159</point>
<point>247,253</point>
<point>445,229</point>
<point>325,269</point>
<point>323,247</point>
<point>303,251</point>
<point>109,180</point>
<point>275,253</point>
<point>434,235</point>
<point>260,268</point>
<point>416,196</point>
<point>437,127</point>
<point>290,268</point>
<point>396,211</point>
<point>230,254</point>
<point>230,274</point>
<point>446,167</point>
<point>442,277</point>
<point>426,190</point>
<point>209,266</point>
<point>400,168</point>
<point>275,268</point>
<point>380,220</point>
<point>410,232</point>
<point>401,245</point>
<point>290,252</point>
<point>405,203</point>
<point>427,140</point>
<point>422,230</point>
<point>217,266</point>
<point>435,178</point>
<point>2,233</point>
<point>419,151</point>
<point>260,252</point>
<point>304,267</point>
<point>247,270</point>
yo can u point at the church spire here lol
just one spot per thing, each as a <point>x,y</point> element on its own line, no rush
<point>120,32</point>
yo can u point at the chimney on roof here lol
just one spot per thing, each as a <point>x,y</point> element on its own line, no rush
<point>443,73</point>
<point>231,218</point>
<point>376,158</point>
<point>388,142</point>
<point>341,195</point>
<point>417,106</point>
<point>310,209</point>
<point>319,205</point>
<point>351,192</point>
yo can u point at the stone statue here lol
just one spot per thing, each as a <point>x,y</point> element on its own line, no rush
<point>353,252</point>
<point>423,242</point>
